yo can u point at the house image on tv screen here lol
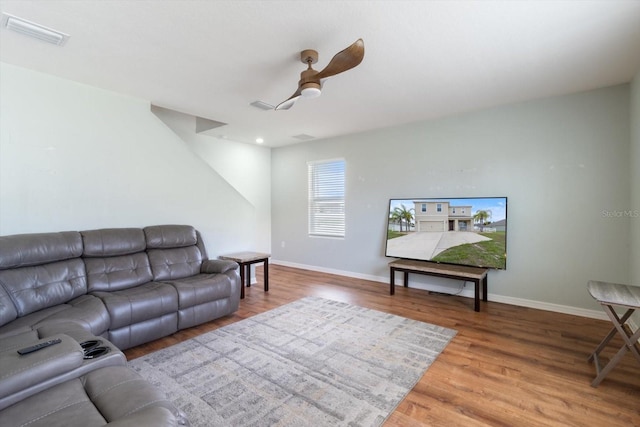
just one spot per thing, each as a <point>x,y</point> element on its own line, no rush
<point>441,216</point>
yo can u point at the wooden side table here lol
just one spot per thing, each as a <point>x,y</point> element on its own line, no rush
<point>245,259</point>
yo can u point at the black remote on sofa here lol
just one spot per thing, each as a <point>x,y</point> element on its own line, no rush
<point>39,346</point>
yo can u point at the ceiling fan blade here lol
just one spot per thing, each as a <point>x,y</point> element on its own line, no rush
<point>343,60</point>
<point>285,105</point>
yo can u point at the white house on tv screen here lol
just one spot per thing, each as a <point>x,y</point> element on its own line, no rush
<point>441,216</point>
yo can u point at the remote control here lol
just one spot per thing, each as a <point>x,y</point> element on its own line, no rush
<point>39,346</point>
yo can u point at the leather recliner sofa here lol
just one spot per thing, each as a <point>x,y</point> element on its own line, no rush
<point>121,286</point>
<point>129,285</point>
<point>58,386</point>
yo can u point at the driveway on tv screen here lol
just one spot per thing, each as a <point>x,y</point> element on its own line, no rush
<point>428,244</point>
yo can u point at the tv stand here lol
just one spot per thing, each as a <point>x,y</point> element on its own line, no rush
<point>476,275</point>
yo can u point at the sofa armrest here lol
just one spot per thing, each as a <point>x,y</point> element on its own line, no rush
<point>217,266</point>
<point>20,372</point>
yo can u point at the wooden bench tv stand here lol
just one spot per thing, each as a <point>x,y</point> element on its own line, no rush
<point>476,275</point>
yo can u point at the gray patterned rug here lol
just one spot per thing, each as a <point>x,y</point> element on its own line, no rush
<point>313,362</point>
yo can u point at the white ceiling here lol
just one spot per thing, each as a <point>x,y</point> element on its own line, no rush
<point>423,59</point>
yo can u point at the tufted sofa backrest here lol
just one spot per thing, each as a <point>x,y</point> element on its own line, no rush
<point>39,270</point>
<point>115,258</point>
<point>42,270</point>
<point>175,251</point>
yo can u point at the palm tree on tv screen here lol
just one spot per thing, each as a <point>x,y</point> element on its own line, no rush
<point>481,218</point>
<point>402,214</point>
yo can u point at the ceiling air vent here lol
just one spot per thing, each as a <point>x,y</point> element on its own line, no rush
<point>303,137</point>
<point>33,30</point>
<point>262,105</point>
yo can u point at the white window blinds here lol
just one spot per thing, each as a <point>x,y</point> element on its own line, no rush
<point>326,198</point>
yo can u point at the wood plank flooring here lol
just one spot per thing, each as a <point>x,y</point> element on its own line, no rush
<point>507,366</point>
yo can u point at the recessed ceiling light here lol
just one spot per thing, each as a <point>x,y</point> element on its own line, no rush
<point>259,140</point>
<point>33,30</point>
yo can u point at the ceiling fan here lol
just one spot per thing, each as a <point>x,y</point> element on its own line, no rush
<point>311,80</point>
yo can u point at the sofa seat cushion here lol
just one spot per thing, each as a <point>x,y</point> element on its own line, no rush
<point>201,288</point>
<point>86,311</point>
<point>113,395</point>
<point>134,305</point>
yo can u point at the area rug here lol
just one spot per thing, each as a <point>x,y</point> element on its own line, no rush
<point>313,362</point>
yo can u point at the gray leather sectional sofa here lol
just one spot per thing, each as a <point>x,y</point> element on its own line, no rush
<point>99,292</point>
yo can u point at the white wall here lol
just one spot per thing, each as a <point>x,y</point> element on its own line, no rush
<point>562,162</point>
<point>74,157</point>
<point>246,167</point>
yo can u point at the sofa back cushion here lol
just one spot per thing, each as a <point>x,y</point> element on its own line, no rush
<point>112,242</point>
<point>39,270</point>
<point>22,250</point>
<point>115,259</point>
<point>169,264</point>
<point>40,286</point>
<point>120,272</point>
<point>174,251</point>
<point>170,236</point>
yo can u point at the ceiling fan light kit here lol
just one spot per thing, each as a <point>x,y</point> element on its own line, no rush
<point>310,90</point>
<point>310,83</point>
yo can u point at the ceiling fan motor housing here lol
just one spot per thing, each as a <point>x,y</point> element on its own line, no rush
<point>309,56</point>
<point>309,85</point>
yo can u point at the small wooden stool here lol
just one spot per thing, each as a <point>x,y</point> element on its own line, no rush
<point>609,295</point>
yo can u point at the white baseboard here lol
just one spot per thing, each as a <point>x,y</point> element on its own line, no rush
<point>465,292</point>
<point>540,305</point>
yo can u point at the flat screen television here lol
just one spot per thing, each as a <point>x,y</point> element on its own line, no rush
<point>464,231</point>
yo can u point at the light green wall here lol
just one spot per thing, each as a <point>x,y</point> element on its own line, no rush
<point>635,187</point>
<point>635,182</point>
<point>74,157</point>
<point>562,162</point>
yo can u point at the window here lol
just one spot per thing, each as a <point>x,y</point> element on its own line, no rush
<point>439,207</point>
<point>326,198</point>
<point>423,207</point>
